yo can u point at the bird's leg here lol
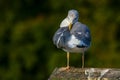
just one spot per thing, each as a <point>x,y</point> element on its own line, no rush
<point>67,67</point>
<point>67,60</point>
<point>83,58</point>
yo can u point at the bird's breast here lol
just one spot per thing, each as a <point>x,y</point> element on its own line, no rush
<point>73,41</point>
<point>72,45</point>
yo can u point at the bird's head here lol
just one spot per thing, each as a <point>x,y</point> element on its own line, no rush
<point>72,17</point>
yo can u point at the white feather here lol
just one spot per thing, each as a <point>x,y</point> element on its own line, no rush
<point>65,23</point>
<point>73,42</point>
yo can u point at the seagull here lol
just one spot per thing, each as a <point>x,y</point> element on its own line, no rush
<point>72,36</point>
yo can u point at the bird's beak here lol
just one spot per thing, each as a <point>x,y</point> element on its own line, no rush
<point>70,26</point>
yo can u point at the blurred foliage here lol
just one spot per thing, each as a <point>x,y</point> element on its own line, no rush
<point>27,27</point>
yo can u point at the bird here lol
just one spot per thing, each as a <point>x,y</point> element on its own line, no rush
<point>72,36</point>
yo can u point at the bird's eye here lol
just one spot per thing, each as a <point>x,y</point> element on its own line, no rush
<point>72,15</point>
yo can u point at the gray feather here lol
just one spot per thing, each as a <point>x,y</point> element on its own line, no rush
<point>61,37</point>
<point>81,32</point>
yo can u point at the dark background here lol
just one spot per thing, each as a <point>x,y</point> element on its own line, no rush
<point>27,27</point>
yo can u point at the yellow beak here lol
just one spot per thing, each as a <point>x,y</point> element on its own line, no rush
<point>70,26</point>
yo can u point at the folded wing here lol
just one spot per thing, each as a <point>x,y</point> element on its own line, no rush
<point>82,33</point>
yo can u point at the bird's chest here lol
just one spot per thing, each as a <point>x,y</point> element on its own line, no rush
<point>71,45</point>
<point>73,42</point>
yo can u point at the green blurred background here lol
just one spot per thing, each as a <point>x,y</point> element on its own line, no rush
<point>27,27</point>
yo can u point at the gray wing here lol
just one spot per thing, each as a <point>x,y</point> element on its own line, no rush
<point>61,36</point>
<point>82,32</point>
